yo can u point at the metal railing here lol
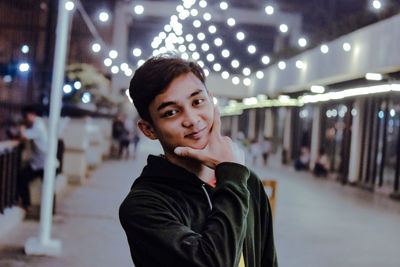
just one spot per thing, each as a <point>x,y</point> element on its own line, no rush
<point>10,163</point>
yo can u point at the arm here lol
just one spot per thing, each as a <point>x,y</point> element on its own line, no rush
<point>157,237</point>
<point>269,257</point>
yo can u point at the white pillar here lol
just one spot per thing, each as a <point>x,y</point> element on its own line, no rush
<point>43,244</point>
<point>315,135</point>
<point>268,123</point>
<point>356,139</point>
<point>235,127</point>
<point>251,131</point>
<point>122,17</point>
<point>287,133</point>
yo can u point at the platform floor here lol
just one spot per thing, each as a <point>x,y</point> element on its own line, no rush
<point>318,222</point>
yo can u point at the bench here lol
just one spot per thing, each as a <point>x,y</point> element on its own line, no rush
<point>272,184</point>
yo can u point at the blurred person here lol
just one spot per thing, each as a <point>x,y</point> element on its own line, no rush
<point>303,161</point>
<point>118,129</point>
<point>266,149</point>
<point>322,164</point>
<point>254,151</point>
<point>35,131</point>
<point>196,205</point>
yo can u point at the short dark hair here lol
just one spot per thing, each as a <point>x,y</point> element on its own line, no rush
<point>154,77</point>
<point>29,109</point>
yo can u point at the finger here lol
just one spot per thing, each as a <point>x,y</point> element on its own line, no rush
<point>187,152</point>
<point>197,154</point>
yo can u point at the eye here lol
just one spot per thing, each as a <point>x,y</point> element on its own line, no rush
<point>169,113</point>
<point>198,102</point>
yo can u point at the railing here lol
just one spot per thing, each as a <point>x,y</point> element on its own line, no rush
<point>10,163</point>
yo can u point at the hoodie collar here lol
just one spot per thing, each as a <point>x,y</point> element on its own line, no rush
<point>160,170</point>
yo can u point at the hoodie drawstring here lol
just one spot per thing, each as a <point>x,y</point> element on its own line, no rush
<point>208,197</point>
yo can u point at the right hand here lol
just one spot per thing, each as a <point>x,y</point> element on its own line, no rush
<point>219,148</point>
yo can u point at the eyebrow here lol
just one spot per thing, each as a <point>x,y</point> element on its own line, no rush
<point>170,103</point>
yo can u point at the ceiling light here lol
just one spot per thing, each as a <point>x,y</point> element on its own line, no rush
<point>124,66</point>
<point>225,74</point>
<point>265,60</point>
<point>346,47</point>
<point>207,16</point>
<point>217,67</point>
<point>167,28</point>
<point>195,56</point>
<point>192,47</point>
<point>218,41</point>
<point>139,9</point>
<point>299,64</point>
<point>23,67</point>
<point>196,23</point>
<point>376,4</point>
<point>114,69</point>
<point>201,36</point>
<point>69,5</point>
<point>201,63</point>
<point>247,81</point>
<point>246,71</point>
<point>182,48</point>
<point>225,53</point>
<point>212,29</point>
<point>113,54</point>
<point>317,89</point>
<point>252,49</point>
<point>25,49</point>
<point>231,22</point>
<point>235,80</point>
<point>206,72</point>
<point>185,56</point>
<point>137,52</point>
<point>259,74</point>
<point>283,28</point>
<point>302,42</point>
<point>324,49</point>
<point>128,72</point>
<point>77,85</point>
<point>67,88</point>
<point>107,62</point>
<point>179,8</point>
<point>282,65</point>
<point>205,47</point>
<point>223,5</point>
<point>104,16</point>
<point>203,3</point>
<point>374,76</point>
<point>210,57</point>
<point>235,63</point>
<point>269,10</point>
<point>240,36</point>
<point>189,37</point>
<point>96,47</point>
<point>194,12</point>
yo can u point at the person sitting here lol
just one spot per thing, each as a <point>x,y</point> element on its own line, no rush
<point>322,164</point>
<point>36,133</point>
<point>303,161</point>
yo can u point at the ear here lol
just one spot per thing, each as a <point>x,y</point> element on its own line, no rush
<point>147,129</point>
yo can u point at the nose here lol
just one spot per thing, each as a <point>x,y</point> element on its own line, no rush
<point>190,118</point>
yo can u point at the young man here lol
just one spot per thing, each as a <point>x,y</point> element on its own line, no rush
<point>197,205</point>
<point>37,134</point>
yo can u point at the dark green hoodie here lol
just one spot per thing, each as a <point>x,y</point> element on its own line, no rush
<point>172,218</point>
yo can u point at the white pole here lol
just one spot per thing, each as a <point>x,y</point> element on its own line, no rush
<point>43,244</point>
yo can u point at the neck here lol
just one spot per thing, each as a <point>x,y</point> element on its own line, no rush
<point>191,165</point>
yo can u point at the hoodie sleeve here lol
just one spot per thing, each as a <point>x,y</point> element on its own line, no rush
<point>157,237</point>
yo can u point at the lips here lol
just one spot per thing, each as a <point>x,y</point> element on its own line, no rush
<point>196,134</point>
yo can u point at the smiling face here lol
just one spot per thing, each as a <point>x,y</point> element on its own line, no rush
<point>182,115</point>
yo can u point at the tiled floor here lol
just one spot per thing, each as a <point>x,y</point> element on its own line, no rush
<point>318,222</point>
